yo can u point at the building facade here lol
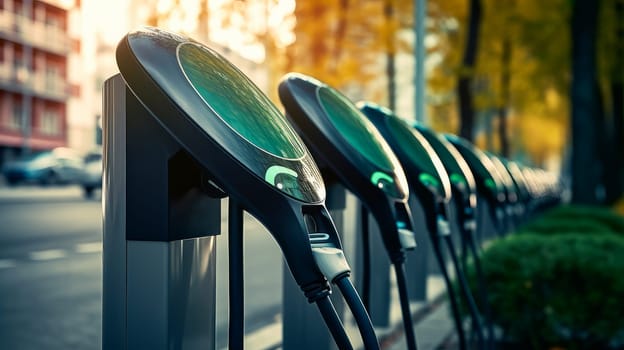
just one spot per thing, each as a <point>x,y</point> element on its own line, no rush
<point>35,47</point>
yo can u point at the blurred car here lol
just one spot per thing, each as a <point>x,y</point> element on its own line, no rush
<point>58,166</point>
<point>92,173</point>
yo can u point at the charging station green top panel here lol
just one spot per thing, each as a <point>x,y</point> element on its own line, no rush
<point>354,128</point>
<point>458,170</point>
<point>421,163</point>
<point>486,175</point>
<point>418,154</point>
<point>421,154</point>
<point>363,136</point>
<point>238,102</point>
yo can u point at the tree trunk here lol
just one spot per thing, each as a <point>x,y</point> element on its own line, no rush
<point>614,151</point>
<point>503,133</point>
<point>615,180</point>
<point>583,101</point>
<point>464,85</point>
<point>603,140</point>
<point>390,64</point>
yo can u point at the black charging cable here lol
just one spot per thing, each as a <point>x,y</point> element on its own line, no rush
<point>318,293</point>
<point>468,229</point>
<point>465,290</point>
<point>464,255</point>
<point>483,294</point>
<point>330,316</point>
<point>365,325</point>
<point>331,259</point>
<point>332,263</point>
<point>398,260</point>
<point>461,335</point>
<point>366,258</point>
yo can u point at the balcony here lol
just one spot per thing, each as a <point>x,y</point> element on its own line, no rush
<point>36,83</point>
<point>63,4</point>
<point>45,37</point>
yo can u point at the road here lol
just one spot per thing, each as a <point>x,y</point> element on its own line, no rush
<point>51,271</point>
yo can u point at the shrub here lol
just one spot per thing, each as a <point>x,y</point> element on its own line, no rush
<point>550,225</point>
<point>557,291</point>
<point>577,218</point>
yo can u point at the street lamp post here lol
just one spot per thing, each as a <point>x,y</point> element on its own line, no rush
<point>420,15</point>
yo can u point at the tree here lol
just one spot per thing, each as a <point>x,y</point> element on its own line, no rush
<point>611,83</point>
<point>617,95</point>
<point>389,9</point>
<point>464,85</point>
<point>583,101</point>
<point>346,43</point>
<point>520,73</point>
<point>332,40</point>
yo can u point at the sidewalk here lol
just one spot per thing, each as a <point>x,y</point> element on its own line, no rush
<point>432,320</point>
<point>432,331</point>
<point>432,324</point>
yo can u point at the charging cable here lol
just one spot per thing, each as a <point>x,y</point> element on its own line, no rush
<point>332,263</point>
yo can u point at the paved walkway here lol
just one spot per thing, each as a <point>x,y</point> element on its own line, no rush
<point>431,331</point>
<point>432,320</point>
<point>433,325</point>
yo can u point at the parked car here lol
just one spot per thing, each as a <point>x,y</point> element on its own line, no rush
<point>58,166</point>
<point>92,173</point>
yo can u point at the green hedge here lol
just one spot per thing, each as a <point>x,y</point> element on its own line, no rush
<point>557,290</point>
<point>559,282</point>
<point>557,225</point>
<point>576,218</point>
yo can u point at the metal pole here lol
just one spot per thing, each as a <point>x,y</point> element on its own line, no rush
<point>236,271</point>
<point>159,256</point>
<point>420,16</point>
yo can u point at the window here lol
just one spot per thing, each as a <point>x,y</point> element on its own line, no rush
<point>15,122</point>
<point>50,123</point>
<point>51,78</point>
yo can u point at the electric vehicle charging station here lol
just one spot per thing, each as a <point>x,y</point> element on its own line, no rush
<point>184,128</point>
<point>489,185</point>
<point>351,150</point>
<point>524,196</point>
<point>428,177</point>
<point>513,205</point>
<point>537,188</point>
<point>544,188</point>
<point>464,189</point>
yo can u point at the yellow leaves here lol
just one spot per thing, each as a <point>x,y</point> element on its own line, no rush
<point>619,206</point>
<point>340,42</point>
<point>542,136</point>
<point>443,118</point>
<point>553,100</point>
<point>535,91</point>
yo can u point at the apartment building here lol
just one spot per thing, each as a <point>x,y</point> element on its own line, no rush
<point>35,46</point>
